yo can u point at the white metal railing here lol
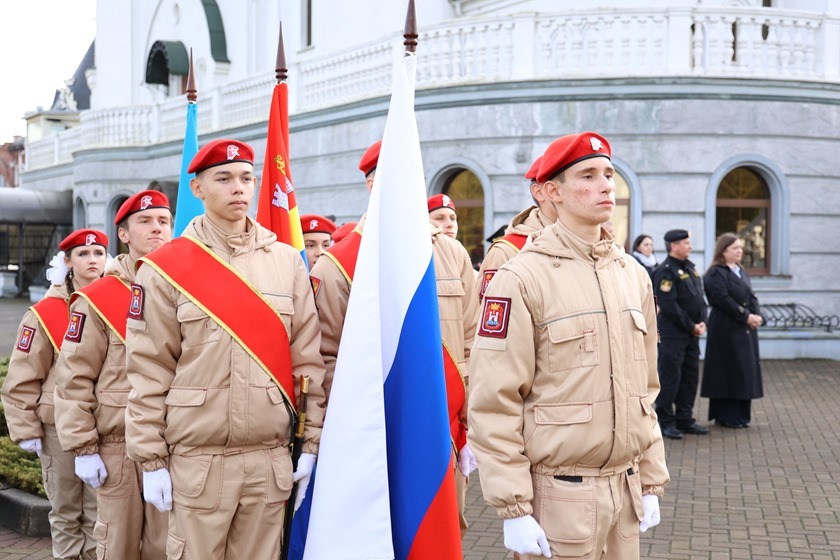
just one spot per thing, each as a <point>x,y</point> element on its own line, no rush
<point>758,43</point>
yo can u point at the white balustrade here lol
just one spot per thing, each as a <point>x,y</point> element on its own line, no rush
<point>695,41</point>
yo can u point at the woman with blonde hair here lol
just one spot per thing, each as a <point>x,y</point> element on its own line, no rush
<point>27,393</point>
<point>731,370</point>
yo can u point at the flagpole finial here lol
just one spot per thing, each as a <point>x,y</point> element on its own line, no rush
<point>410,32</point>
<point>280,70</point>
<point>192,92</point>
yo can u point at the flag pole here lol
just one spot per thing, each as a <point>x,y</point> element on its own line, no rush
<point>281,75</point>
<point>410,31</point>
<point>186,205</point>
<point>192,92</point>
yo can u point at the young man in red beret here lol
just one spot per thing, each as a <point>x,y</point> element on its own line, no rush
<point>564,377</point>
<point>222,328</point>
<point>317,236</point>
<point>92,390</point>
<point>332,277</point>
<point>442,213</point>
<point>532,219</point>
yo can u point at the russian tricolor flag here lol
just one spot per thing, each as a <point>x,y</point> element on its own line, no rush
<point>385,486</point>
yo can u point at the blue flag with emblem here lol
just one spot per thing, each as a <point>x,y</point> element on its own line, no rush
<point>188,206</point>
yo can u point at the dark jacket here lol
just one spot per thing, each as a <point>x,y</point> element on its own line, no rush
<point>731,369</point>
<point>679,291</point>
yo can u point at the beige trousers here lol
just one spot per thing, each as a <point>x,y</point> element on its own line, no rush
<point>228,507</point>
<point>127,528</point>
<point>595,519</point>
<point>73,502</point>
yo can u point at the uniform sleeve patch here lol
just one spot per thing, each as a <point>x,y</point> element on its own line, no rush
<point>316,285</point>
<point>25,342</point>
<point>135,308</point>
<point>75,327</point>
<point>494,318</point>
<point>665,285</point>
<point>485,280</point>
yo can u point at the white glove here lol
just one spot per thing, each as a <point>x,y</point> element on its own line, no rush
<point>466,461</point>
<point>31,445</point>
<point>91,470</point>
<point>650,503</point>
<point>524,535</point>
<point>302,476</point>
<point>157,489</point>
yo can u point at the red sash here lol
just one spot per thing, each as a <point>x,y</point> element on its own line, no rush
<point>456,395</point>
<point>515,240</point>
<point>232,302</point>
<point>52,313</point>
<point>344,254</point>
<point>109,298</point>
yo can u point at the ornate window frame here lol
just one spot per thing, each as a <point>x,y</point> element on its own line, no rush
<point>779,209</point>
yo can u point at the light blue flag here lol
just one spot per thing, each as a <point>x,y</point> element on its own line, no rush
<point>188,206</point>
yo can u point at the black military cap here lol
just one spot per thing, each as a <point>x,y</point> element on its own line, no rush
<point>676,235</point>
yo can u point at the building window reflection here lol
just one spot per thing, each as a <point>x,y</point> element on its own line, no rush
<point>621,217</point>
<point>743,207</point>
<point>465,190</point>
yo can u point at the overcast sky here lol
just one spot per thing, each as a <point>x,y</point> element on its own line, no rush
<point>43,42</point>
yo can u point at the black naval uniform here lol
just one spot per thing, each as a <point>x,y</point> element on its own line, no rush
<point>679,289</point>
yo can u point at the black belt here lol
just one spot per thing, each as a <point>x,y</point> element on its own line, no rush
<point>579,479</point>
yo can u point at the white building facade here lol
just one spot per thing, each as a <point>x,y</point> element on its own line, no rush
<point>722,115</point>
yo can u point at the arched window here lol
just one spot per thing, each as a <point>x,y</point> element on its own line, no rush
<point>744,207</point>
<point>465,190</point>
<point>79,214</point>
<point>621,216</point>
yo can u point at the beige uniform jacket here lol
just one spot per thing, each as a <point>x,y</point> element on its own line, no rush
<point>28,390</point>
<point>197,391</point>
<point>526,222</point>
<point>457,306</point>
<point>91,385</point>
<point>564,374</point>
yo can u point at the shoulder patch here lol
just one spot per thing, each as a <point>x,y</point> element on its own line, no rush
<point>135,308</point>
<point>485,280</point>
<point>25,342</point>
<point>316,285</point>
<point>75,327</point>
<point>665,285</point>
<point>494,318</point>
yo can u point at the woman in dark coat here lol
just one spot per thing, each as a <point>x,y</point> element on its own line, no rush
<point>731,371</point>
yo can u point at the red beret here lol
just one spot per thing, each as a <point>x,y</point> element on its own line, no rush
<point>440,201</point>
<point>313,223</point>
<point>220,152</point>
<point>139,202</point>
<point>534,169</point>
<point>570,149</point>
<point>370,159</point>
<point>83,237</point>
<point>343,231</point>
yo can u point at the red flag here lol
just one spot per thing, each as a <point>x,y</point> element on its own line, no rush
<point>277,207</point>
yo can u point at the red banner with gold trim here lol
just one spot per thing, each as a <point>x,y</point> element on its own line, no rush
<point>109,298</point>
<point>240,309</point>
<point>51,312</point>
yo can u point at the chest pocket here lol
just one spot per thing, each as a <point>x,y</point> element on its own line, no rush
<point>197,327</point>
<point>116,350</point>
<point>450,293</point>
<point>637,329</point>
<point>689,284</point>
<point>573,343</point>
<point>284,306</point>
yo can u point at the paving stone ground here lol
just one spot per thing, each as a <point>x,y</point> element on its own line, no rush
<point>771,491</point>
